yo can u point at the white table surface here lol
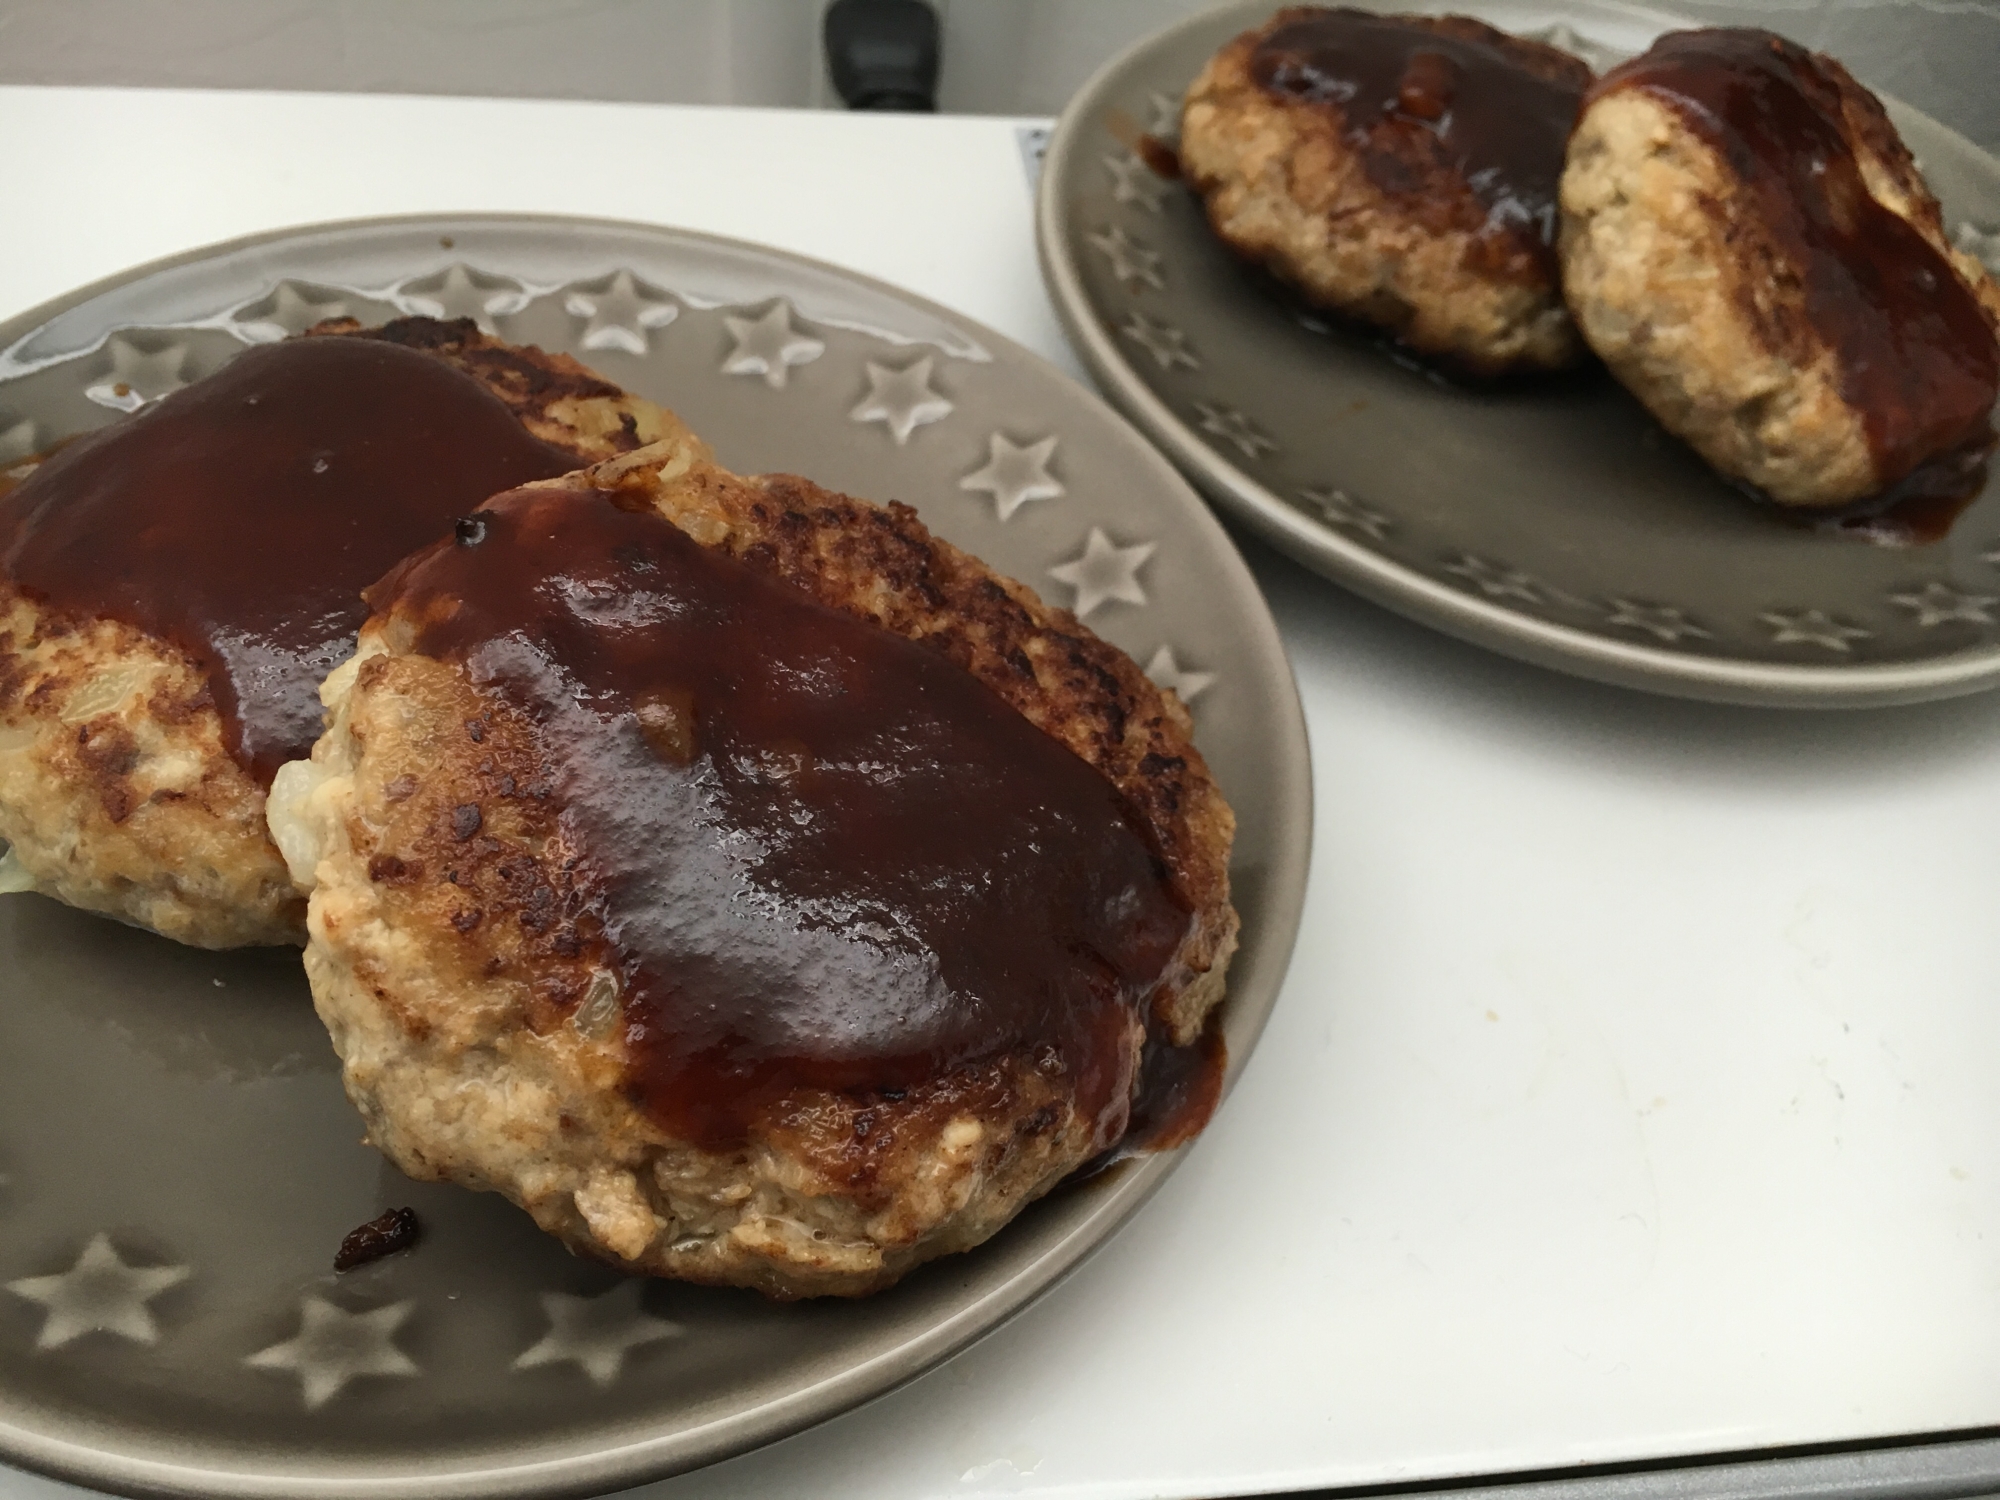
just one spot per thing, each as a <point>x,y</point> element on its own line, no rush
<point>1629,1095</point>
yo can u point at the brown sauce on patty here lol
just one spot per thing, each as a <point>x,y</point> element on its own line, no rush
<point>1919,510</point>
<point>240,517</point>
<point>1917,356</point>
<point>1451,96</point>
<point>819,855</point>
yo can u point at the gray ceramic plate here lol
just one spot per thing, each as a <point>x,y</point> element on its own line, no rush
<point>179,1161</point>
<point>1551,521</point>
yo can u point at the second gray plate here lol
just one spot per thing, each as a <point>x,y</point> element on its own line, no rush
<point>1552,521</point>
<point>177,1162</point>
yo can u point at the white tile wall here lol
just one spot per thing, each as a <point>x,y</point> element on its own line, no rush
<point>1000,56</point>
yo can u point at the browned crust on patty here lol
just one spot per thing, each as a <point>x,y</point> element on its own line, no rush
<point>1286,186</point>
<point>116,794</point>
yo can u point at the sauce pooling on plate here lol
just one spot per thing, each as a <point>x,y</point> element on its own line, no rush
<point>819,855</point>
<point>1498,123</point>
<point>1917,356</point>
<point>240,517</point>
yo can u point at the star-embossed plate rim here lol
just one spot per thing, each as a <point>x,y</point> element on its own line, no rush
<point>1074,150</point>
<point>993,1283</point>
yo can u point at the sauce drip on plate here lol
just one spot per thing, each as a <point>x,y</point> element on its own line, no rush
<point>820,855</point>
<point>1922,508</point>
<point>1162,159</point>
<point>240,517</point>
<point>1455,91</point>
<point>1917,355</point>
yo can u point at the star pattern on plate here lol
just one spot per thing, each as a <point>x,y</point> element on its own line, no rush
<point>1983,245</point>
<point>1131,262</point>
<point>621,312</point>
<point>292,308</point>
<point>1015,475</point>
<point>1132,181</point>
<point>1938,604</point>
<point>458,291</point>
<point>596,1332</point>
<point>1494,580</point>
<point>137,375</point>
<point>334,1346</point>
<point>769,346</point>
<point>1554,595</point>
<point>1812,627</point>
<point>99,1294</point>
<point>17,440</point>
<point>901,400</point>
<point>1166,343</point>
<point>1104,571</point>
<point>1338,508</point>
<point>1661,621</point>
<point>1167,672</point>
<point>1229,424</point>
<point>1164,111</point>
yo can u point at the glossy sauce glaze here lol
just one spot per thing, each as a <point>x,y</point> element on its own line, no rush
<point>1179,1088</point>
<point>1920,509</point>
<point>240,517</point>
<point>1917,356</point>
<point>1458,96</point>
<point>822,855</point>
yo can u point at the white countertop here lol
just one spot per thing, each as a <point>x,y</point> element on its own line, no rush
<point>1629,1095</point>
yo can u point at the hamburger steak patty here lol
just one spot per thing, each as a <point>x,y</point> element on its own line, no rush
<point>753,887</point>
<point>1750,247</point>
<point>1400,170</point>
